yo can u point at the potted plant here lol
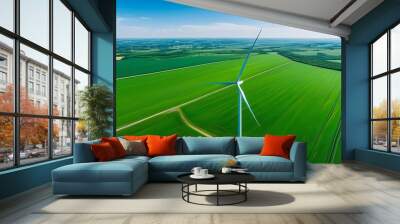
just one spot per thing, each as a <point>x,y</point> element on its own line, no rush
<point>96,102</point>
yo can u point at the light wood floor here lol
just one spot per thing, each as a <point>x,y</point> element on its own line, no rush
<point>378,189</point>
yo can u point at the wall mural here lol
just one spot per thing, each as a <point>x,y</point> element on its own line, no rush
<point>196,72</point>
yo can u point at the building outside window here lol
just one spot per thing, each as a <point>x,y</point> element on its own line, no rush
<point>3,61</point>
<point>3,81</point>
<point>37,75</point>
<point>34,75</point>
<point>3,78</point>
<point>43,90</point>
<point>30,87</point>
<point>30,72</point>
<point>44,77</point>
<point>3,72</point>
<point>55,97</point>
<point>38,89</point>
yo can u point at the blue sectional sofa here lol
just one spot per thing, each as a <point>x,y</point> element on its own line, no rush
<point>125,176</point>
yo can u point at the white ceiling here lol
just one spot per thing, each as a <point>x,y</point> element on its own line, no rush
<point>321,9</point>
<point>326,16</point>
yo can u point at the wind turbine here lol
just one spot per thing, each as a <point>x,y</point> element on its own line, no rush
<point>240,92</point>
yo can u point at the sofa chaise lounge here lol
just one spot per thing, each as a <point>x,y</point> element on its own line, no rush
<point>125,176</point>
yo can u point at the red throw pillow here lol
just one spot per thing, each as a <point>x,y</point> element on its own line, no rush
<point>277,145</point>
<point>116,145</point>
<point>103,152</point>
<point>161,145</point>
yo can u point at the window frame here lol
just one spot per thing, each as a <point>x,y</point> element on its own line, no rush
<point>16,114</point>
<point>388,74</point>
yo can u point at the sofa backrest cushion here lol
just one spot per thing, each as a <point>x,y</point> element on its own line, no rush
<point>249,145</point>
<point>208,145</point>
<point>83,153</point>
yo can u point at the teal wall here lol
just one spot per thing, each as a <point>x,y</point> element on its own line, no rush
<point>99,15</point>
<point>356,85</point>
<point>102,55</point>
<point>24,178</point>
<point>103,63</point>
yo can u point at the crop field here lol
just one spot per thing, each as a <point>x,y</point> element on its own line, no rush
<point>160,64</point>
<point>177,94</point>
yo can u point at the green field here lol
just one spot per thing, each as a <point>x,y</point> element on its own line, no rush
<point>143,56</point>
<point>308,52</point>
<point>154,93</point>
<point>286,96</point>
<point>136,66</point>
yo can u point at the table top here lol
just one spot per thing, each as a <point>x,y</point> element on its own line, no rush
<point>220,178</point>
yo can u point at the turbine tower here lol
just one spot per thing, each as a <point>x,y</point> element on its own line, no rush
<point>240,92</point>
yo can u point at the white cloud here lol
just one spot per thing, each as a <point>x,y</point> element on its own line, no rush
<point>123,20</point>
<point>214,30</point>
<point>120,19</point>
<point>144,18</point>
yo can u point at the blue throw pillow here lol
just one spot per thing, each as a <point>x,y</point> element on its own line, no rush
<point>208,145</point>
<point>249,145</point>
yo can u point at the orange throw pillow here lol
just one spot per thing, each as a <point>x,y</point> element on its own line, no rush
<point>103,152</point>
<point>161,145</point>
<point>116,145</point>
<point>277,145</point>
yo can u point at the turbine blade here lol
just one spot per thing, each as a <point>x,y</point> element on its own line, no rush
<point>247,57</point>
<point>247,103</point>
<point>222,83</point>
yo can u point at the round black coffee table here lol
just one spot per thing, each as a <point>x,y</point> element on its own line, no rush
<point>238,179</point>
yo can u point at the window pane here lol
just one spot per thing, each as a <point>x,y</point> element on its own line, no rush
<point>395,47</point>
<point>395,94</point>
<point>81,45</point>
<point>81,131</point>
<point>34,97</point>
<point>379,55</point>
<point>34,18</point>
<point>81,82</point>
<point>62,29</point>
<point>395,136</point>
<point>379,97</point>
<point>35,21</point>
<point>62,89</point>
<point>7,14</point>
<point>379,135</point>
<point>6,142</point>
<point>6,74</point>
<point>33,139</point>
<point>62,138</point>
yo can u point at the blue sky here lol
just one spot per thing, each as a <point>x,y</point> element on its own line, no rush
<point>162,19</point>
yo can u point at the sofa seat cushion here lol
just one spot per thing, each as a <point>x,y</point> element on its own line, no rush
<point>112,171</point>
<point>257,163</point>
<point>133,157</point>
<point>185,163</point>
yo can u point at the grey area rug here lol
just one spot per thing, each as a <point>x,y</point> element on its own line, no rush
<point>166,198</point>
